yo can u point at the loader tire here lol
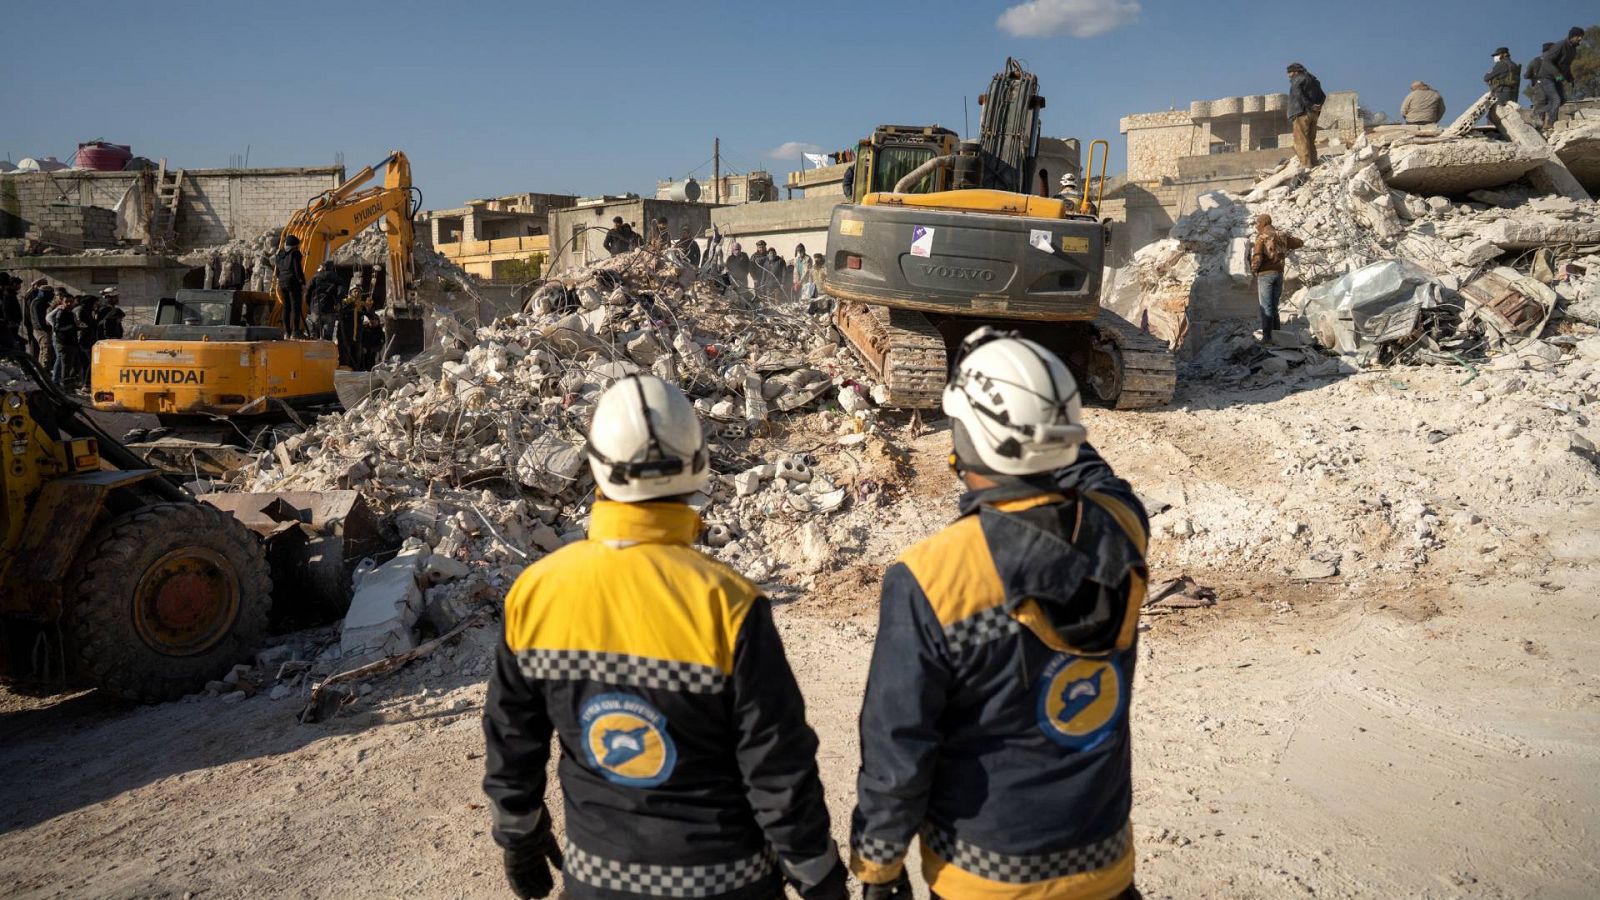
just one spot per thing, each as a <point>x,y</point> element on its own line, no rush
<point>166,598</point>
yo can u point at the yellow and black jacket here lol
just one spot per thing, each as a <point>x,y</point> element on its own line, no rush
<point>687,766</point>
<point>995,724</point>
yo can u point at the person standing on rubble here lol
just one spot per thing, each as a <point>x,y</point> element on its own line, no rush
<point>1535,75</point>
<point>1423,106</point>
<point>687,767</point>
<point>1555,73</point>
<point>738,266</point>
<point>995,722</point>
<point>1504,77</point>
<point>1268,255</point>
<point>621,238</point>
<point>688,247</point>
<point>1305,105</point>
<point>288,269</point>
<point>63,323</point>
<point>799,270</point>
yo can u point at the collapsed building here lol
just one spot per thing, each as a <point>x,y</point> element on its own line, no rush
<point>1492,223</point>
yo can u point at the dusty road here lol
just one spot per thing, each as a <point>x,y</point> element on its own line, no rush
<point>1422,722</point>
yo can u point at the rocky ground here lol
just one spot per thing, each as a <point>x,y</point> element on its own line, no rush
<point>1393,693</point>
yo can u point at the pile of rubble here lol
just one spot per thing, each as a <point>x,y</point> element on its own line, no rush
<point>474,453</point>
<point>1443,247</point>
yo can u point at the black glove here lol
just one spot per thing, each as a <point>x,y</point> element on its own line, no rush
<point>898,889</point>
<point>528,866</point>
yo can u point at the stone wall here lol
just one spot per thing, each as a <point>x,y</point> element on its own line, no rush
<point>75,227</point>
<point>216,206</point>
<point>1156,140</point>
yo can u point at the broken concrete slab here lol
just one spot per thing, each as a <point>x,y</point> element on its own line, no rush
<point>387,602</point>
<point>1525,234</point>
<point>1578,148</point>
<point>1551,175</point>
<point>1457,167</point>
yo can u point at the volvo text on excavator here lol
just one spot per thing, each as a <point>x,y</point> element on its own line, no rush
<point>944,237</point>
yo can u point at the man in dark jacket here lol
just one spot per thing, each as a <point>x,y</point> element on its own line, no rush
<point>687,767</point>
<point>995,723</point>
<point>1504,78</point>
<point>110,316</point>
<point>738,266</point>
<point>1555,73</point>
<point>62,321</point>
<point>688,247</point>
<point>1305,105</point>
<point>322,296</point>
<point>288,268</point>
<point>621,238</point>
<point>35,309</point>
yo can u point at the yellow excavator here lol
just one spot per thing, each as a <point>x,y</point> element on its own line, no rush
<point>945,237</point>
<point>224,353</point>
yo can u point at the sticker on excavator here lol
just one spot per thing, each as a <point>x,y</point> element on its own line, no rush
<point>1071,244</point>
<point>1040,239</point>
<point>851,227</point>
<point>921,241</point>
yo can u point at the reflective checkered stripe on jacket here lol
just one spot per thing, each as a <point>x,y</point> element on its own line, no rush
<point>1009,869</point>
<point>620,669</point>
<point>990,625</point>
<point>666,881</point>
<point>878,851</point>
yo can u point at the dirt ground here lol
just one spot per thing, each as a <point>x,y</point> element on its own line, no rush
<point>1395,695</point>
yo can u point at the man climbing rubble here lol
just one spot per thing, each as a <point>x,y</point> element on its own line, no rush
<point>995,723</point>
<point>1268,255</point>
<point>1555,73</point>
<point>687,766</point>
<point>1504,77</point>
<point>1305,106</point>
<point>1423,106</point>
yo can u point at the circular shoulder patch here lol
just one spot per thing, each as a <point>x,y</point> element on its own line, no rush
<point>626,739</point>
<point>1080,700</point>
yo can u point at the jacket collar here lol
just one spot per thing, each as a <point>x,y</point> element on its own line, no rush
<point>1003,495</point>
<point>643,523</point>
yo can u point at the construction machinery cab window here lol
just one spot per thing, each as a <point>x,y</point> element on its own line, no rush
<point>895,163</point>
<point>214,308</point>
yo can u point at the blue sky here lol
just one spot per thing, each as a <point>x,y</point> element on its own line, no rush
<point>495,98</point>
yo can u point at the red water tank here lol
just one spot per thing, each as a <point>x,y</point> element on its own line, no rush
<point>102,157</point>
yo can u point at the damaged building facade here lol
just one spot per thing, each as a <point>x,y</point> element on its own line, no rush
<point>89,230</point>
<point>485,236</point>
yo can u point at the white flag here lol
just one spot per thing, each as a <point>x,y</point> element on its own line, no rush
<point>817,160</point>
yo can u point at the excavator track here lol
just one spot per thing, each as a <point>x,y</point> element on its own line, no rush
<point>901,347</point>
<point>1128,368</point>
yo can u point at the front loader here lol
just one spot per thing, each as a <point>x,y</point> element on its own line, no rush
<point>110,575</point>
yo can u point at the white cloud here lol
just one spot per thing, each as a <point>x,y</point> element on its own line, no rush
<point>1079,18</point>
<point>792,150</point>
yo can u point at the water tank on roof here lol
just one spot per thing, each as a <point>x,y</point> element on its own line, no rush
<point>688,191</point>
<point>102,157</point>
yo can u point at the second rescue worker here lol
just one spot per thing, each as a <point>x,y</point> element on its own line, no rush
<point>995,724</point>
<point>687,766</point>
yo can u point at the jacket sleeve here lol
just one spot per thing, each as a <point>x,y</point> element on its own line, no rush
<point>907,686</point>
<point>1292,242</point>
<point>1552,61</point>
<point>1255,255</point>
<point>1407,105</point>
<point>1091,473</point>
<point>777,755</point>
<point>516,730</point>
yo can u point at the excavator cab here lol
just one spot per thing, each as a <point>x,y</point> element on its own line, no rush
<point>895,151</point>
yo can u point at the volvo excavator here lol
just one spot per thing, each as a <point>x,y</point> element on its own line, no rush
<point>945,237</point>
<point>224,354</point>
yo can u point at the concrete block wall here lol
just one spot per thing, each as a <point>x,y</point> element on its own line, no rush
<point>217,205</point>
<point>75,227</point>
<point>139,288</point>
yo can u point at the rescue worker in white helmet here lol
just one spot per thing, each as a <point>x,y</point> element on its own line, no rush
<point>995,722</point>
<point>687,767</point>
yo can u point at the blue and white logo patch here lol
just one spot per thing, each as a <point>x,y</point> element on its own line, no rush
<point>1080,700</point>
<point>626,739</point>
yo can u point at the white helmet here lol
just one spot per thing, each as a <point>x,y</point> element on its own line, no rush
<point>1014,408</point>
<point>645,442</point>
<point>1068,180</point>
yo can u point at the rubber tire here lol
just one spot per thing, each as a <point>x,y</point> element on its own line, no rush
<point>98,619</point>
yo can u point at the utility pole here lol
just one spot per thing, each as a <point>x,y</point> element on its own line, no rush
<point>716,170</point>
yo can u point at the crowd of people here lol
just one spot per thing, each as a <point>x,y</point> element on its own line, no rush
<point>56,328</point>
<point>765,274</point>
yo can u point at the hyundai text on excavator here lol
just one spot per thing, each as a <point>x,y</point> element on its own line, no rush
<point>943,238</point>
<point>224,353</point>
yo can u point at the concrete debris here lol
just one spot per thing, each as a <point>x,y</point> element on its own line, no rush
<point>387,603</point>
<point>1446,208</point>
